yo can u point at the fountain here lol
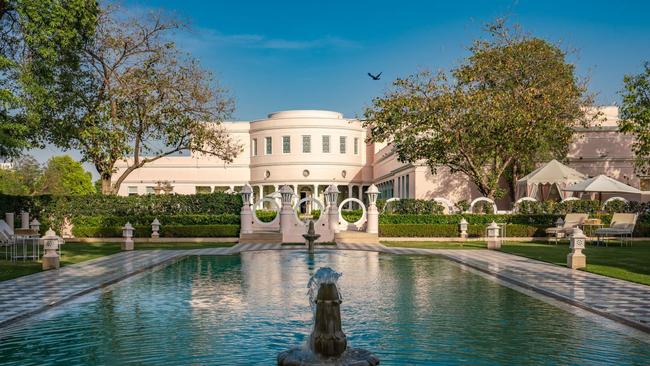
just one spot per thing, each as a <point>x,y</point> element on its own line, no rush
<point>327,344</point>
<point>311,236</point>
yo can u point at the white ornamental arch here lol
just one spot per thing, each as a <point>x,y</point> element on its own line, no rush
<point>617,198</point>
<point>446,202</point>
<point>274,204</point>
<point>394,199</point>
<point>515,207</point>
<point>483,199</point>
<point>320,204</point>
<point>359,223</point>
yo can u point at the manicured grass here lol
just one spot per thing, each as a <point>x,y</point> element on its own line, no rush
<point>435,244</point>
<point>79,252</point>
<point>627,263</point>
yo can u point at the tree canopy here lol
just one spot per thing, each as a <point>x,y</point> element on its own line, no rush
<point>63,175</point>
<point>635,116</point>
<point>40,43</point>
<point>142,99</point>
<point>515,99</point>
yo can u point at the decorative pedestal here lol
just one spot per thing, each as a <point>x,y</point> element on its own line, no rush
<point>127,233</point>
<point>50,245</point>
<point>373,213</point>
<point>493,239</point>
<point>576,259</point>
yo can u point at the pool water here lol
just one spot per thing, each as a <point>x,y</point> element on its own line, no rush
<point>243,310</point>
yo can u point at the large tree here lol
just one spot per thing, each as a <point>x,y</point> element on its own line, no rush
<point>40,43</point>
<point>635,116</point>
<point>142,99</point>
<point>65,176</point>
<point>515,99</point>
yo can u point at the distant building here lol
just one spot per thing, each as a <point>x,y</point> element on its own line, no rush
<point>311,149</point>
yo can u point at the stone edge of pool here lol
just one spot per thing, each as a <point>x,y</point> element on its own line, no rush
<point>477,260</point>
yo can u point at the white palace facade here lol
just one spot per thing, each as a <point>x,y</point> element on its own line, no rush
<point>311,149</point>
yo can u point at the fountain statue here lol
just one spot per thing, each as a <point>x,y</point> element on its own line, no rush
<point>327,344</point>
<point>311,236</point>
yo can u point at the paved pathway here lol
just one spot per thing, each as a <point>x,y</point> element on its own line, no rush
<point>619,300</point>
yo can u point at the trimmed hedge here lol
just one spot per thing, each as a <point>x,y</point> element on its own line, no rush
<point>451,230</point>
<point>168,231</point>
<point>51,210</point>
<point>145,220</point>
<point>535,220</point>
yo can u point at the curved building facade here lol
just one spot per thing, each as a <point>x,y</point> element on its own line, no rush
<point>311,149</point>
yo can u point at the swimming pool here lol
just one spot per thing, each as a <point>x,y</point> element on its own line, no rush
<point>243,310</point>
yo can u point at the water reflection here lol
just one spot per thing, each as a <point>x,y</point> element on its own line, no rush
<point>242,310</point>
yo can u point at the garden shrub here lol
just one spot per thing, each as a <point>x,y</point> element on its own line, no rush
<point>265,215</point>
<point>52,209</point>
<point>451,230</point>
<point>415,206</point>
<point>166,231</point>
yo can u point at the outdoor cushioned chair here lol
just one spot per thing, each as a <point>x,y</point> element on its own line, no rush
<point>571,221</point>
<point>622,226</point>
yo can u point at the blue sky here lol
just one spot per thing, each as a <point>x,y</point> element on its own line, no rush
<point>276,55</point>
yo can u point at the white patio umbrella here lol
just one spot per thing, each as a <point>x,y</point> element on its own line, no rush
<point>602,184</point>
<point>541,180</point>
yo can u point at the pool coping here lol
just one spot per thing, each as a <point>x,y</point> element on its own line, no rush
<point>452,255</point>
<point>612,316</point>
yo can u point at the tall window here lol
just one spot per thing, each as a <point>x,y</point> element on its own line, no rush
<point>342,143</point>
<point>406,185</point>
<point>286,144</point>
<point>356,145</point>
<point>269,145</point>
<point>306,144</point>
<point>254,147</point>
<point>326,144</point>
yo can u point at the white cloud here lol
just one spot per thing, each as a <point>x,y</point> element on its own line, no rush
<point>210,37</point>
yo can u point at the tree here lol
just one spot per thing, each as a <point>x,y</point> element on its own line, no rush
<point>65,176</point>
<point>635,116</point>
<point>22,178</point>
<point>40,41</point>
<point>142,100</point>
<point>513,100</point>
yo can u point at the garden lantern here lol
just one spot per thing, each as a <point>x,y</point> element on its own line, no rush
<point>286,194</point>
<point>576,259</point>
<point>35,225</point>
<point>373,193</point>
<point>462,225</point>
<point>155,227</point>
<point>372,225</point>
<point>51,244</point>
<point>331,194</point>
<point>246,193</point>
<point>493,240</point>
<point>127,233</point>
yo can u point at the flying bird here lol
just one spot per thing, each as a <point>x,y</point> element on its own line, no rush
<point>374,77</point>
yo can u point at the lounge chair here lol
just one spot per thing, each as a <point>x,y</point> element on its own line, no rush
<point>571,221</point>
<point>622,226</point>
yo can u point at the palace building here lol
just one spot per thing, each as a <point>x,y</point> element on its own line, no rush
<point>311,149</point>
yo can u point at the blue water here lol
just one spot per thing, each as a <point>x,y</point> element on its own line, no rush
<point>243,310</point>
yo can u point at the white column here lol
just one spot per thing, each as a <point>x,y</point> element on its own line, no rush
<point>275,187</point>
<point>315,196</point>
<point>261,195</point>
<point>349,196</point>
<point>361,192</point>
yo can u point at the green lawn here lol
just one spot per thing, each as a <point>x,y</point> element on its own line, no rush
<point>627,263</point>
<point>79,252</point>
<point>436,244</point>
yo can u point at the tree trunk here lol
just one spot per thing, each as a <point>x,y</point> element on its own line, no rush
<point>106,184</point>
